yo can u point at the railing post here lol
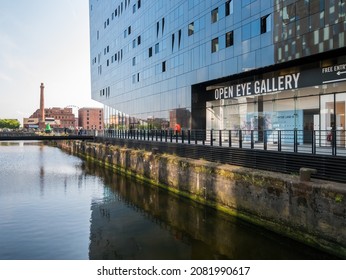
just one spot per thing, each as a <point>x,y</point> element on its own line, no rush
<point>176,136</point>
<point>171,135</point>
<point>189,137</point>
<point>182,136</point>
<point>313,145</point>
<point>279,140</point>
<point>195,132</point>
<point>240,139</point>
<point>229,138</point>
<point>211,138</point>
<point>334,142</point>
<point>166,132</point>
<point>265,140</point>
<point>220,138</point>
<point>252,141</point>
<point>295,139</point>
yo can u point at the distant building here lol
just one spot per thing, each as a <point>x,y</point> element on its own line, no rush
<point>30,123</point>
<point>58,117</point>
<point>90,118</point>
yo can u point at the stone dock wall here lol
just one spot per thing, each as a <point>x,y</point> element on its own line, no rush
<point>311,212</point>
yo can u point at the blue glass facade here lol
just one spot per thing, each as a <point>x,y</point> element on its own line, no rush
<point>158,62</point>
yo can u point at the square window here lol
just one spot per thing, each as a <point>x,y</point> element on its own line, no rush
<point>179,38</point>
<point>164,66</point>
<point>228,8</point>
<point>265,24</point>
<point>163,25</point>
<point>191,28</point>
<point>229,39</point>
<point>138,40</point>
<point>173,41</point>
<point>215,45</point>
<point>157,48</point>
<point>150,51</point>
<point>215,15</point>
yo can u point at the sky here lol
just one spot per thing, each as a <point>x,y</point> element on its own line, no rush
<point>44,41</point>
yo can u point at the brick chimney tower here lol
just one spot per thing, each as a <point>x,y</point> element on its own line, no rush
<point>42,123</point>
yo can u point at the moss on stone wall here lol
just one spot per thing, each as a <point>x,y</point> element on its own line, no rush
<point>278,202</point>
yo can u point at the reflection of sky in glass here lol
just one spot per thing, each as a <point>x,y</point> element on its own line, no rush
<point>189,59</point>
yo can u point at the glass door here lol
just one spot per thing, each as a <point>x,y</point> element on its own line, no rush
<point>340,100</point>
<point>327,118</point>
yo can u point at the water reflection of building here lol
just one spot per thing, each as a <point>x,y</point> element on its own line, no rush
<point>181,117</point>
<point>135,221</point>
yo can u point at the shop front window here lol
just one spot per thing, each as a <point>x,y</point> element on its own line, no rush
<point>327,112</point>
<point>340,100</point>
<point>333,118</point>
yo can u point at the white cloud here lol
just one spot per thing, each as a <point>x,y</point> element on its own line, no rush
<point>5,77</point>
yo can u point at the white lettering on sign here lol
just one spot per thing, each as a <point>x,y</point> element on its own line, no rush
<point>269,85</point>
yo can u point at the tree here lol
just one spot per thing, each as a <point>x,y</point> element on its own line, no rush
<point>9,123</point>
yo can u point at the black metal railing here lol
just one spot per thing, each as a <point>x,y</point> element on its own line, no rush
<point>275,150</point>
<point>324,142</point>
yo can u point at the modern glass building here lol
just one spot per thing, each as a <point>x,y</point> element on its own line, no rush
<point>220,64</point>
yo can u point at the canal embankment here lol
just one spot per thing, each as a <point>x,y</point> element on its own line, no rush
<point>312,212</point>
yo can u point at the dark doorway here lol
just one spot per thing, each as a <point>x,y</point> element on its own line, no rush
<point>308,120</point>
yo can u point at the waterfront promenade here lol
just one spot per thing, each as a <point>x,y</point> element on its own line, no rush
<point>272,150</point>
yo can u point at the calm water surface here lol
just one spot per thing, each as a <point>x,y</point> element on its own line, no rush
<point>56,206</point>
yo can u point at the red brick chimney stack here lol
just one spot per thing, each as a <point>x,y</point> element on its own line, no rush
<point>42,115</point>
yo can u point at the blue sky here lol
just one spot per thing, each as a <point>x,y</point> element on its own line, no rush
<point>43,41</point>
